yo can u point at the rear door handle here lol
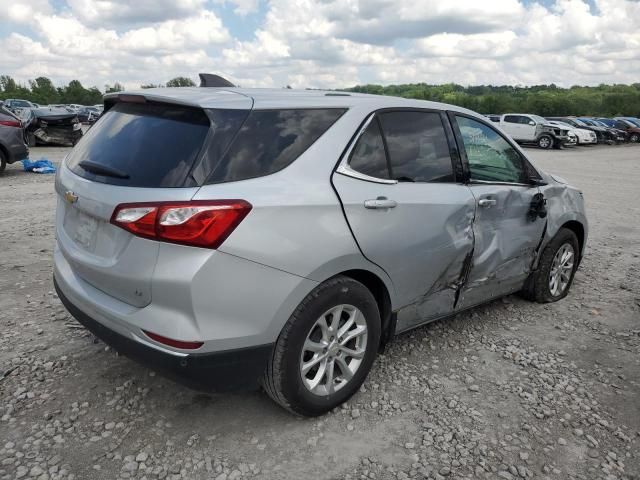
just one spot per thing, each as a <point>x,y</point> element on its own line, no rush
<point>487,202</point>
<point>381,203</point>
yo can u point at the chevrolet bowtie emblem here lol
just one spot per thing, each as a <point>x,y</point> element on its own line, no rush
<point>70,197</point>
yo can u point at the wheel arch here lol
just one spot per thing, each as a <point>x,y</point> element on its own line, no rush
<point>579,230</point>
<point>5,151</point>
<point>382,296</point>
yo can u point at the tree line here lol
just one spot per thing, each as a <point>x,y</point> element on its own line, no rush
<point>43,92</point>
<point>544,100</point>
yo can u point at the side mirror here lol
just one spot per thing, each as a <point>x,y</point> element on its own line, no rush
<point>537,182</point>
<point>531,122</point>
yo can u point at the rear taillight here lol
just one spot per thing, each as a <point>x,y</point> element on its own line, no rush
<point>199,223</point>
<point>11,123</point>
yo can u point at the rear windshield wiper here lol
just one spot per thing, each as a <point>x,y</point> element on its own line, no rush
<point>98,169</point>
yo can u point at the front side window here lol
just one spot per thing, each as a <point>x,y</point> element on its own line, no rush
<point>491,158</point>
<point>417,146</point>
<point>368,156</point>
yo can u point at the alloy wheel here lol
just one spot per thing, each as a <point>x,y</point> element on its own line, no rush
<point>333,350</point>
<point>544,142</point>
<point>561,269</point>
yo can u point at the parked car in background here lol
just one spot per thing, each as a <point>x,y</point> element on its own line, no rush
<point>494,118</point>
<point>293,250</point>
<point>12,146</point>
<point>74,107</point>
<point>584,136</point>
<point>617,135</point>
<point>16,105</point>
<point>88,115</point>
<point>529,128</point>
<point>633,120</point>
<point>632,131</point>
<point>51,126</point>
<point>602,135</point>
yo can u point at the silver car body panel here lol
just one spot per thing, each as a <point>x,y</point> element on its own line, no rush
<point>506,242</point>
<point>429,253</point>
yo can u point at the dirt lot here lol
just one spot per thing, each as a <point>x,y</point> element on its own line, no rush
<point>510,390</point>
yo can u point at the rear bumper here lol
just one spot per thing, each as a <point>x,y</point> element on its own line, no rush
<point>15,146</point>
<point>230,370</point>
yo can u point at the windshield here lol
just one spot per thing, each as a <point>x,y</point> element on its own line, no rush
<point>538,119</point>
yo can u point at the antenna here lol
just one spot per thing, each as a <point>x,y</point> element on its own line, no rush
<point>212,80</point>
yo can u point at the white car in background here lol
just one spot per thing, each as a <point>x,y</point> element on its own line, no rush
<point>584,136</point>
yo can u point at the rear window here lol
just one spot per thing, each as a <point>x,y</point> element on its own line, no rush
<point>270,140</point>
<point>152,145</point>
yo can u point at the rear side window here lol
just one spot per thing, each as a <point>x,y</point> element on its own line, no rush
<point>270,140</point>
<point>418,147</point>
<point>368,156</point>
<point>512,119</point>
<point>146,145</point>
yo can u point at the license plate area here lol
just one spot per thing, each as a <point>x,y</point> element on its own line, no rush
<point>82,228</point>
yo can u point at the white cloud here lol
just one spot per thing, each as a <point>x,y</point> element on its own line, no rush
<point>324,43</point>
<point>116,12</point>
<point>22,11</point>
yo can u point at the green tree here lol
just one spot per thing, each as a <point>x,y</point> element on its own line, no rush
<point>181,82</point>
<point>116,87</point>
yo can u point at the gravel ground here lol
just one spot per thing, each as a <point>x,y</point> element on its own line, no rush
<point>509,390</point>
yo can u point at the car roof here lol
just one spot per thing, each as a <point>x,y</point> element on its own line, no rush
<point>275,98</point>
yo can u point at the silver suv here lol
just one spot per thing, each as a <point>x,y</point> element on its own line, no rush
<point>234,238</point>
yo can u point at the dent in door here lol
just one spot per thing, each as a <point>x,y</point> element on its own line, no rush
<point>507,242</point>
<point>441,298</point>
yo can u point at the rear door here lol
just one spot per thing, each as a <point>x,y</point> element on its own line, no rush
<point>511,124</point>
<point>506,236</point>
<point>409,212</point>
<point>137,152</point>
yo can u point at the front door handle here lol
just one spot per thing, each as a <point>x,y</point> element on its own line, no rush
<point>487,202</point>
<point>381,203</point>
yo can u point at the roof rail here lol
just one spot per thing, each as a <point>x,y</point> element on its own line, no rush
<point>211,80</point>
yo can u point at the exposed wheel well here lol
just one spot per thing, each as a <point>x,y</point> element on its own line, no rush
<point>578,229</point>
<point>379,290</point>
<point>5,152</point>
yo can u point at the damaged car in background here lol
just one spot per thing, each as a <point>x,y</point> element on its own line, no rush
<point>309,228</point>
<point>533,129</point>
<point>51,126</point>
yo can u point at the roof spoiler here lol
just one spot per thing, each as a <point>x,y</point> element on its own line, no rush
<point>211,80</point>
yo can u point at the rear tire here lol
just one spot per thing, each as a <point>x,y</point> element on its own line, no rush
<point>559,261</point>
<point>3,162</point>
<point>545,142</point>
<point>289,380</point>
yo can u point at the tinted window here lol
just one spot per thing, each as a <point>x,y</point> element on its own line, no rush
<point>490,156</point>
<point>155,145</point>
<point>512,119</point>
<point>417,145</point>
<point>368,156</point>
<point>270,140</point>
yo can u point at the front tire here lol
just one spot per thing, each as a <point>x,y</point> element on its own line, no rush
<point>326,348</point>
<point>634,138</point>
<point>545,142</point>
<point>3,162</point>
<point>557,267</point>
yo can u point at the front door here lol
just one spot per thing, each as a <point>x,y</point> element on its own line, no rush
<point>409,213</point>
<point>507,236</point>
